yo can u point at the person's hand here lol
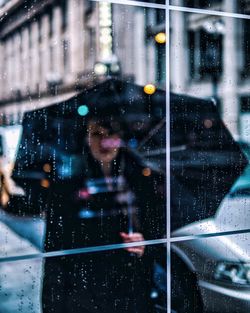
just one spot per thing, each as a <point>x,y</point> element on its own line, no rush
<point>134,237</point>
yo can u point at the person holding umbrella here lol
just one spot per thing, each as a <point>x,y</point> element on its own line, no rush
<point>113,199</point>
<point>94,191</point>
<point>98,192</point>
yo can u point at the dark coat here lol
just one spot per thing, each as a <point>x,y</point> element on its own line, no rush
<point>97,282</point>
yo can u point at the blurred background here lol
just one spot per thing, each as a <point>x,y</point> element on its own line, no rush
<point>52,49</point>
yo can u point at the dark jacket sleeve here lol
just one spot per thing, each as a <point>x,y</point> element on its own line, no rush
<point>151,200</point>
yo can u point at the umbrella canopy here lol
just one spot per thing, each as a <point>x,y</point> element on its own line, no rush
<point>205,160</point>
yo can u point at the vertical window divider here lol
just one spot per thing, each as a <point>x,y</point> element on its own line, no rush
<point>168,204</point>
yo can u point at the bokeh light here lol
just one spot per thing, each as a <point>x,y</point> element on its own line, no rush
<point>160,38</point>
<point>149,89</point>
<point>45,183</point>
<point>146,171</point>
<point>47,168</point>
<point>83,110</point>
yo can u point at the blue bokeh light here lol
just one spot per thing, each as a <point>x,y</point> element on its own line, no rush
<point>133,143</point>
<point>83,110</point>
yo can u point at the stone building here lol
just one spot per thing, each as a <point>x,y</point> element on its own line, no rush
<point>210,57</point>
<point>48,48</point>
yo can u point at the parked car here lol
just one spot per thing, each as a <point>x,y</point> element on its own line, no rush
<point>221,263</point>
<point>215,271</point>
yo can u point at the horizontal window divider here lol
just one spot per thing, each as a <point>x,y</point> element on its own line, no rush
<point>68,252</point>
<point>60,253</point>
<point>209,235</point>
<point>209,12</point>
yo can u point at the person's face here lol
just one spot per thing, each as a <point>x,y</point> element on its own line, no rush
<point>103,146</point>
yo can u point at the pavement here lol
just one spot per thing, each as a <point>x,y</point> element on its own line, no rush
<point>20,281</point>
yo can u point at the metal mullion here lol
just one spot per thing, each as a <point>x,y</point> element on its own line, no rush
<point>168,187</point>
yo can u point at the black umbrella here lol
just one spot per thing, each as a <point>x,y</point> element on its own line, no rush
<point>205,160</point>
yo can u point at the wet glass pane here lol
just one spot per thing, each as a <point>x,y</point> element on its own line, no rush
<point>209,125</point>
<point>107,281</point>
<point>211,275</point>
<point>79,172</point>
<point>240,6</point>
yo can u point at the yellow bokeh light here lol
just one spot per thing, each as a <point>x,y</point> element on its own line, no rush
<point>149,89</point>
<point>160,38</point>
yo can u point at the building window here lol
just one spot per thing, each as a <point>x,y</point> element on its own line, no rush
<point>30,35</point>
<point>89,7</point>
<point>205,54</point>
<point>245,105</point>
<point>50,22</point>
<point>201,3</point>
<point>39,29</point>
<point>246,48</point>
<point>51,54</point>
<point>64,14</point>
<point>244,118</point>
<point>65,55</point>
<point>160,48</point>
<point>156,25</point>
<point>243,6</point>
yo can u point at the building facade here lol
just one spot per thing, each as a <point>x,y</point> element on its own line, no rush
<point>50,48</point>
<point>210,58</point>
<point>46,49</point>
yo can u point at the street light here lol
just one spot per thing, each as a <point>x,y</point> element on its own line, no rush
<point>109,67</point>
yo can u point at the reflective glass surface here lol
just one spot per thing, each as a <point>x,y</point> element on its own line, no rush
<point>110,124</point>
<point>209,132</point>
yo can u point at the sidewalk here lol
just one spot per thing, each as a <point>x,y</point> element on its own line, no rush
<point>20,281</point>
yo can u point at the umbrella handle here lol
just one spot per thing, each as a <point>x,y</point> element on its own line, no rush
<point>130,221</point>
